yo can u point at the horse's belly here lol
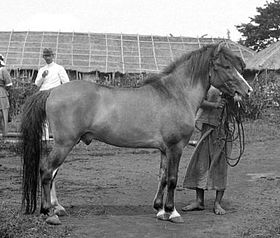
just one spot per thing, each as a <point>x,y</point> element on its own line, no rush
<point>130,138</point>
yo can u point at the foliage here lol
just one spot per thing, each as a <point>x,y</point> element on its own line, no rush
<point>18,95</point>
<point>264,28</point>
<point>266,94</point>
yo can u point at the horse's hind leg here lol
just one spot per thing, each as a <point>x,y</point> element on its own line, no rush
<point>158,200</point>
<point>58,209</point>
<point>47,167</point>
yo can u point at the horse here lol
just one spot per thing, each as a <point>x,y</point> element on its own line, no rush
<point>159,114</point>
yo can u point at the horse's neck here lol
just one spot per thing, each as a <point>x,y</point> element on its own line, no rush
<point>195,95</point>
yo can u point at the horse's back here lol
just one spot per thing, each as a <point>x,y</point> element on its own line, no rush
<point>71,107</point>
<point>74,88</point>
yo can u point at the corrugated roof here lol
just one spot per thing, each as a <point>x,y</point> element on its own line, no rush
<point>268,58</point>
<point>87,52</point>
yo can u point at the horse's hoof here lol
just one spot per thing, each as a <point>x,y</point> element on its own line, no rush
<point>53,220</point>
<point>60,212</point>
<point>176,219</point>
<point>163,217</point>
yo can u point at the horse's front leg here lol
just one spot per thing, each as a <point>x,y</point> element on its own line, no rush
<point>158,200</point>
<point>173,159</point>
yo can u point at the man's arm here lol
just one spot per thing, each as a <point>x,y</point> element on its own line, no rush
<point>212,105</point>
<point>39,79</point>
<point>7,78</point>
<point>63,75</point>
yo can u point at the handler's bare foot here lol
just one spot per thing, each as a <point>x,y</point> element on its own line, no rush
<point>195,206</point>
<point>218,210</point>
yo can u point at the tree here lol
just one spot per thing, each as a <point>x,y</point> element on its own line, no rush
<point>263,29</point>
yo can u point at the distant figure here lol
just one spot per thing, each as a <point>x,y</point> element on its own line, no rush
<point>5,84</point>
<point>50,76</point>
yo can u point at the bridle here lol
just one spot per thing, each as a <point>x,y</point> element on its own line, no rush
<point>224,82</point>
<point>233,113</point>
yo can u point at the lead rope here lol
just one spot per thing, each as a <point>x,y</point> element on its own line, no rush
<point>233,113</point>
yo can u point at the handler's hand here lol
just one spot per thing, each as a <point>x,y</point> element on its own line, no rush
<point>45,73</point>
<point>221,103</point>
<point>237,98</point>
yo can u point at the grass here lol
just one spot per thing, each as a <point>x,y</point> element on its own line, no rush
<point>14,224</point>
<point>266,128</point>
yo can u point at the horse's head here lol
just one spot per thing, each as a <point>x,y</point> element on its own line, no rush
<point>225,72</point>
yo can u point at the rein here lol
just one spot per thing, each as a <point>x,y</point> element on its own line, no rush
<point>233,113</point>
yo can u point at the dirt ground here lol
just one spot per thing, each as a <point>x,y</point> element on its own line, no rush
<point>108,192</point>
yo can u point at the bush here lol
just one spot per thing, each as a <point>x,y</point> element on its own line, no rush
<point>18,95</point>
<point>266,94</point>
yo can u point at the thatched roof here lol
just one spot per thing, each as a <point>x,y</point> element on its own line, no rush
<point>85,52</point>
<point>268,58</point>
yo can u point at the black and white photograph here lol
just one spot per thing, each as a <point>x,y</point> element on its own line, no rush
<point>133,119</point>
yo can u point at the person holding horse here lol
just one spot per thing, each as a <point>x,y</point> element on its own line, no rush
<point>208,165</point>
<point>5,85</point>
<point>50,76</point>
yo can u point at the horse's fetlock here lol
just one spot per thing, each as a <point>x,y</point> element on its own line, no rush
<point>44,210</point>
<point>169,207</point>
<point>46,178</point>
<point>158,204</point>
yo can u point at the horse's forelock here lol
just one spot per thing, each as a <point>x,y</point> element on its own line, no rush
<point>235,60</point>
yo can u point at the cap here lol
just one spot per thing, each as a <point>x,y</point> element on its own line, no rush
<point>47,51</point>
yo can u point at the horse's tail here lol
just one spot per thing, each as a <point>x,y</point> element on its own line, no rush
<point>32,121</point>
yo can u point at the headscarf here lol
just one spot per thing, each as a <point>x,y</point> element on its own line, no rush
<point>2,62</point>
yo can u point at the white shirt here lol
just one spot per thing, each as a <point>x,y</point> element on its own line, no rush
<point>56,76</point>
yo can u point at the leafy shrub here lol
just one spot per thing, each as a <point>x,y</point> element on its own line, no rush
<point>266,94</point>
<point>18,95</point>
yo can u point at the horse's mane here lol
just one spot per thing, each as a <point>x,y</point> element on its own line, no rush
<point>197,64</point>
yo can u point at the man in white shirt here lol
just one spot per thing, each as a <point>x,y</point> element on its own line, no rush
<point>50,76</point>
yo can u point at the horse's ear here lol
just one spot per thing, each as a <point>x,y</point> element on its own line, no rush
<point>218,48</point>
